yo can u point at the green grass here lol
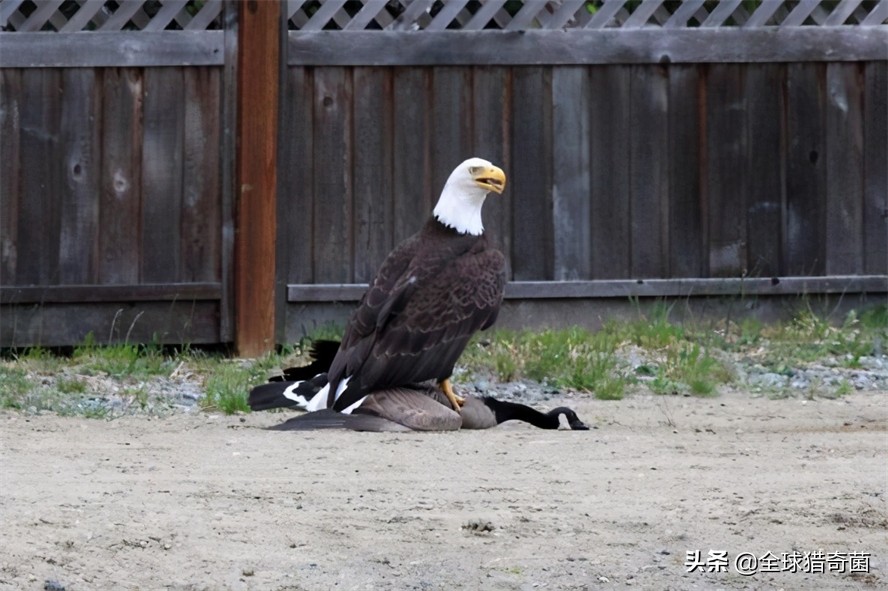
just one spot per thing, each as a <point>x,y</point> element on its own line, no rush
<point>229,384</point>
<point>571,358</point>
<point>14,386</point>
<point>37,380</point>
<point>686,358</point>
<point>138,394</point>
<point>688,367</point>
<point>70,385</point>
<point>125,359</point>
<point>810,337</point>
<point>649,331</point>
<point>227,389</point>
<point>649,353</point>
<point>41,360</point>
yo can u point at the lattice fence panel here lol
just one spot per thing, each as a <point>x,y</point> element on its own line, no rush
<point>440,15</point>
<point>72,16</point>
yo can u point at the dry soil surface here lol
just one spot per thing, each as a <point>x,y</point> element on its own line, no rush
<point>198,501</point>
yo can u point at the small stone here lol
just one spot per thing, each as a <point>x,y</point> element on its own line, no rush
<point>248,572</point>
<point>479,526</point>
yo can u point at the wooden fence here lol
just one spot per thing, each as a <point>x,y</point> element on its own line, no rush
<point>653,148</point>
<point>116,218</point>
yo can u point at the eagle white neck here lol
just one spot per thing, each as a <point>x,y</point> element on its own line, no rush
<point>460,208</point>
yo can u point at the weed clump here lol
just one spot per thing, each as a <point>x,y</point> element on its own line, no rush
<point>571,358</point>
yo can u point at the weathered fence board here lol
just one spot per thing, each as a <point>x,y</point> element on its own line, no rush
<point>687,222</point>
<point>875,177</point>
<point>58,325</point>
<point>571,174</point>
<point>89,294</point>
<point>844,170</point>
<point>10,164</point>
<point>201,223</point>
<point>333,150</point>
<point>606,46</point>
<point>626,288</point>
<point>648,176</point>
<point>411,169</point>
<point>531,171</point>
<point>82,158</point>
<point>161,166</point>
<point>108,50</point>
<point>120,203</point>
<point>610,153</point>
<point>373,155</point>
<point>296,201</point>
<point>39,217</point>
<point>726,180</point>
<point>764,169</point>
<point>804,221</point>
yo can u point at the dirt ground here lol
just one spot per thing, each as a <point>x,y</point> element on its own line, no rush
<point>200,501</point>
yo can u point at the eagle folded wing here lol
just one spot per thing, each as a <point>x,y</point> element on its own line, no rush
<point>443,312</point>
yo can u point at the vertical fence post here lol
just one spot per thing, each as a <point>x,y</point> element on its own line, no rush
<point>258,82</point>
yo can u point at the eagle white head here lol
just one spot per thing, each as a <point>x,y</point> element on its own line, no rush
<point>459,206</point>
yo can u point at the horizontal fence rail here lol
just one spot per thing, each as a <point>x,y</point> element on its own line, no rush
<point>112,50</point>
<point>324,48</point>
<point>608,46</point>
<point>525,290</point>
<point>60,294</point>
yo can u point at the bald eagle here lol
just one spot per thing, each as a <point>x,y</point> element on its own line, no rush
<point>431,294</point>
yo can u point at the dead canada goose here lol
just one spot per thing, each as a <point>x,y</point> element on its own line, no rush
<point>420,407</point>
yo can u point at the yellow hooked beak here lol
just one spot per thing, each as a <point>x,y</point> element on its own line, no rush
<point>491,178</point>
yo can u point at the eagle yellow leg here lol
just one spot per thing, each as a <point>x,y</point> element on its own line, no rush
<point>455,401</point>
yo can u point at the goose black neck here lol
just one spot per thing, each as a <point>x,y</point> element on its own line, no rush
<point>512,411</point>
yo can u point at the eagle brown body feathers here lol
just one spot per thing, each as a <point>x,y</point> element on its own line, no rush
<point>431,294</point>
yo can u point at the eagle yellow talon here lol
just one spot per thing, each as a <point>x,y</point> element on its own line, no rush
<point>455,401</point>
